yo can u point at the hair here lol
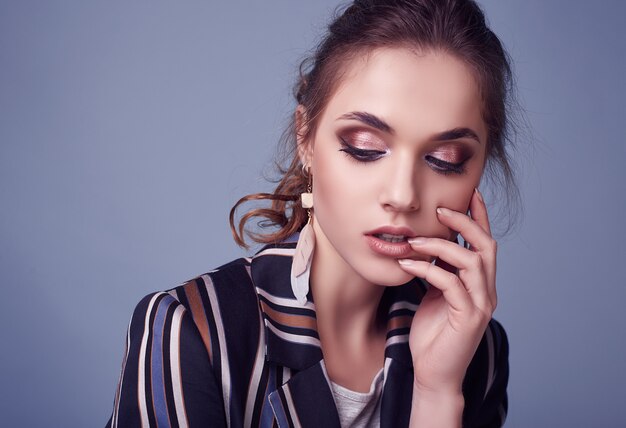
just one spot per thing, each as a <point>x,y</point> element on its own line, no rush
<point>454,27</point>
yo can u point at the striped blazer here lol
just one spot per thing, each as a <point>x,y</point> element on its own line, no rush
<point>234,348</point>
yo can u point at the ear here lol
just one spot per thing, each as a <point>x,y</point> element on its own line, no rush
<point>305,147</point>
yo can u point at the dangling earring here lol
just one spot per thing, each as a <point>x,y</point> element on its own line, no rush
<point>301,265</point>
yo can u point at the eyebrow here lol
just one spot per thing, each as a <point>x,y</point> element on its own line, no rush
<point>368,119</point>
<point>381,125</point>
<point>457,133</point>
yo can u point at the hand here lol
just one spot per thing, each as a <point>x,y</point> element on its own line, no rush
<point>454,313</point>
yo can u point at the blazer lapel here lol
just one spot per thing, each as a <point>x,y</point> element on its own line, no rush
<point>291,338</point>
<point>305,400</point>
<point>402,302</point>
<point>292,341</point>
<point>290,327</point>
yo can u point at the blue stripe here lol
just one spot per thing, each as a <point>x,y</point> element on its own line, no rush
<point>158,387</point>
<point>267,416</point>
<point>279,410</point>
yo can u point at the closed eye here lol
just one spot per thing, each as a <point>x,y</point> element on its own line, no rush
<point>444,167</point>
<point>360,155</point>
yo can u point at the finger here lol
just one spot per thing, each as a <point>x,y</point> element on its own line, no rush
<point>450,285</point>
<point>447,251</point>
<point>479,239</point>
<point>478,211</point>
<point>471,231</point>
<point>469,263</point>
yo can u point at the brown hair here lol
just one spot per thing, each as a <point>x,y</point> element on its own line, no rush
<point>456,27</point>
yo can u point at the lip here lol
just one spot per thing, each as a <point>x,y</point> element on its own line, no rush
<point>390,249</point>
<point>393,230</point>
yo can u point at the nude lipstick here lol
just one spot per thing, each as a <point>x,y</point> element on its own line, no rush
<point>390,241</point>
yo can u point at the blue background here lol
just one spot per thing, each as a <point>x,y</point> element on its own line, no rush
<point>129,128</point>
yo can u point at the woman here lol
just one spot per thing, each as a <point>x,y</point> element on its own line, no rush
<point>362,309</point>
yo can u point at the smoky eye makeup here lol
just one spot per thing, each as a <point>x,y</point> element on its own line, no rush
<point>449,159</point>
<point>362,146</point>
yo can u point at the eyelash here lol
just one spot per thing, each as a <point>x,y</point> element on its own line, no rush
<point>360,155</point>
<point>446,167</point>
<point>365,156</point>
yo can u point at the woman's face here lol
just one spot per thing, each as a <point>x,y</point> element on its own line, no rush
<point>402,135</point>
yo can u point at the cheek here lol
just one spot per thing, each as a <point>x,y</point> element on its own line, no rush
<point>332,185</point>
<point>457,196</point>
<point>454,194</point>
<point>337,182</point>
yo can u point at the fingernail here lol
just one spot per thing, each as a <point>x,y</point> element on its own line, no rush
<point>417,241</point>
<point>480,197</point>
<point>405,262</point>
<point>443,211</point>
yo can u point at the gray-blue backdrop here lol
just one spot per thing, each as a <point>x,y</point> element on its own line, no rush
<point>128,129</point>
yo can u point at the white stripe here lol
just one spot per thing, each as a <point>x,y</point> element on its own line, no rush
<point>490,357</point>
<point>295,338</point>
<point>141,381</point>
<point>286,374</point>
<point>249,271</point>
<point>403,305</point>
<point>276,252</point>
<point>181,414</point>
<point>386,371</point>
<point>401,338</point>
<point>292,408</point>
<point>325,372</point>
<point>259,362</point>
<point>281,301</point>
<point>173,293</point>
<point>118,398</point>
<point>221,336</point>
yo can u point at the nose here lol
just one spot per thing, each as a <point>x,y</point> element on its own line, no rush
<point>400,190</point>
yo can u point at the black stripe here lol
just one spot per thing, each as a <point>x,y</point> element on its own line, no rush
<point>240,317</point>
<point>288,309</point>
<point>300,331</point>
<point>398,332</point>
<point>167,369</point>
<point>260,397</point>
<point>283,399</point>
<point>401,313</point>
<point>208,310</point>
<point>148,363</point>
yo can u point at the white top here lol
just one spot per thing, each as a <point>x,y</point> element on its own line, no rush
<point>359,409</point>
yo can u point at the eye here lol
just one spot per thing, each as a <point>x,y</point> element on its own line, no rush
<point>360,155</point>
<point>444,167</point>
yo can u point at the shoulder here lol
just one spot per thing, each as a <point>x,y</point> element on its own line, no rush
<point>213,306</point>
<point>176,360</point>
<point>217,291</point>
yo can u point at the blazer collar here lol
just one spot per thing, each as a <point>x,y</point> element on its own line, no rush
<point>291,333</point>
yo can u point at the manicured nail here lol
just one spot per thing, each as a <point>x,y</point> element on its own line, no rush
<point>443,211</point>
<point>480,197</point>
<point>417,241</point>
<point>405,262</point>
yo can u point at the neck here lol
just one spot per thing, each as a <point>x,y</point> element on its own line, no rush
<point>351,333</point>
<point>346,304</point>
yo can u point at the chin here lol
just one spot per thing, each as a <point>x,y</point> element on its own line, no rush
<point>388,276</point>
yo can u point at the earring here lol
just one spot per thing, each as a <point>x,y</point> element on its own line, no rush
<point>303,256</point>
